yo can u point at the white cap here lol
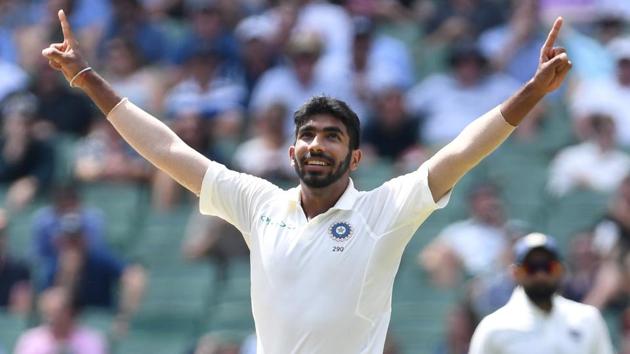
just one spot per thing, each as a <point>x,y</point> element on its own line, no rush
<point>620,48</point>
<point>255,27</point>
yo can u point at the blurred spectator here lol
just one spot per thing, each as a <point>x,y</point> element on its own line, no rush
<point>613,6</point>
<point>298,80</point>
<point>457,20</point>
<point>60,331</point>
<point>130,20</point>
<point>486,294</point>
<point>26,163</point>
<point>94,274</point>
<point>470,84</point>
<point>193,129</point>
<point>211,90</point>
<point>612,241</point>
<point>216,344</point>
<point>13,80</point>
<point>397,11</point>
<point>328,21</point>
<point>266,154</point>
<point>14,14</point>
<point>460,324</point>
<point>257,54</point>
<point>572,11</point>
<point>207,30</point>
<point>514,48</point>
<point>214,239</point>
<point>392,133</point>
<point>476,246</point>
<point>597,164</point>
<point>124,69</point>
<point>249,344</point>
<point>60,110</point>
<point>606,96</point>
<point>41,26</point>
<point>536,319</point>
<point>47,223</point>
<point>582,11</point>
<point>625,332</point>
<point>8,50</point>
<point>376,62</point>
<point>583,262</point>
<point>15,277</point>
<point>391,345</point>
<point>592,60</point>
<point>103,156</point>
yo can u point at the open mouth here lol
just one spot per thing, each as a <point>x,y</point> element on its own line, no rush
<point>316,163</point>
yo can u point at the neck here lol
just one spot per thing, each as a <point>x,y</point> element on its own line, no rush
<point>63,331</point>
<point>316,201</point>
<point>544,305</point>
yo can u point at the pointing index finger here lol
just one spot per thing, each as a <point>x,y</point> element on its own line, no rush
<point>553,35</point>
<point>65,28</point>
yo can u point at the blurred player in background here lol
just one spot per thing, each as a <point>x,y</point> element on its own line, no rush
<point>323,255</point>
<point>536,319</point>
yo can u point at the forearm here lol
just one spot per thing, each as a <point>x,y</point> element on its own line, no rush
<point>515,108</point>
<point>133,285</point>
<point>159,144</point>
<point>475,142</point>
<point>99,90</point>
<point>479,139</point>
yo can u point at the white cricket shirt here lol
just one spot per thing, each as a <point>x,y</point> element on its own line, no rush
<point>520,327</point>
<point>322,285</point>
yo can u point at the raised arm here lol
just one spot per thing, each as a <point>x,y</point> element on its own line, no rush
<point>487,132</point>
<point>145,133</point>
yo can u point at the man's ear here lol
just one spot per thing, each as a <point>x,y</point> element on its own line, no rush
<point>356,158</point>
<point>517,273</point>
<point>292,155</point>
<point>557,269</point>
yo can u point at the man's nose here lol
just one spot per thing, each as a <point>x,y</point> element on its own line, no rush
<point>315,144</point>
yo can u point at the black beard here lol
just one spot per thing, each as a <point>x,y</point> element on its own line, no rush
<point>321,181</point>
<point>540,294</point>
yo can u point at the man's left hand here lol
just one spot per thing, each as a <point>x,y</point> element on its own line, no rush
<point>554,63</point>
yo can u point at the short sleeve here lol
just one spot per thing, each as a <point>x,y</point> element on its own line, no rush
<point>480,342</point>
<point>233,196</point>
<point>603,344</point>
<point>409,198</point>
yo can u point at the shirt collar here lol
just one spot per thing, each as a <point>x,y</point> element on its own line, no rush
<point>345,202</point>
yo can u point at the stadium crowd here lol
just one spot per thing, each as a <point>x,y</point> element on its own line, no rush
<point>88,228</point>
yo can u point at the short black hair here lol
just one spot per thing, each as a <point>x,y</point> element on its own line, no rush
<point>333,107</point>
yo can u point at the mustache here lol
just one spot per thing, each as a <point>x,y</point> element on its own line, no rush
<point>317,155</point>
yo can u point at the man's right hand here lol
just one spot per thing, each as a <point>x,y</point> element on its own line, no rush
<point>66,56</point>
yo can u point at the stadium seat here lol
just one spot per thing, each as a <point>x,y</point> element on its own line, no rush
<point>575,212</point>
<point>176,300</point>
<point>97,319</point>
<point>123,204</point>
<point>11,326</point>
<point>372,175</point>
<point>154,342</point>
<point>65,149</point>
<point>418,310</point>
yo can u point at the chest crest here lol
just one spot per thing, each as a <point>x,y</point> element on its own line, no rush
<point>340,231</point>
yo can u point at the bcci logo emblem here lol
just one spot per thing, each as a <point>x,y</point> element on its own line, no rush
<point>340,231</point>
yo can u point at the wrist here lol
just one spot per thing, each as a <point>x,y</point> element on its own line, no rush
<point>82,78</point>
<point>534,89</point>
